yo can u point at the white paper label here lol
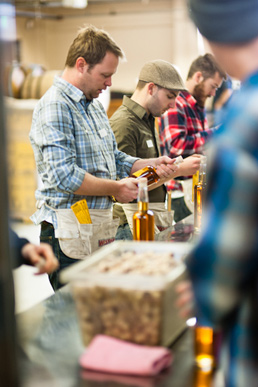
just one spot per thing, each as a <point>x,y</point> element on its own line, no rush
<point>102,132</point>
<point>149,143</point>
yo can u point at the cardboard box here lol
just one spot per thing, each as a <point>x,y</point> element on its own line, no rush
<point>22,174</point>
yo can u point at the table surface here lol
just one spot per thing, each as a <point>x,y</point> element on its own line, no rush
<point>50,344</point>
<point>182,231</point>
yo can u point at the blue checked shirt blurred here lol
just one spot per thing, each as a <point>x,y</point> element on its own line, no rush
<point>224,264</point>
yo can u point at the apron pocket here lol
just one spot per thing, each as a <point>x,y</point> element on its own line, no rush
<point>80,240</point>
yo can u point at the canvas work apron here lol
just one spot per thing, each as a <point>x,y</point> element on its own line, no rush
<point>162,217</point>
<point>80,240</point>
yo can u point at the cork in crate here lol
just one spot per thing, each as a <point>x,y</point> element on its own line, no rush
<point>128,292</point>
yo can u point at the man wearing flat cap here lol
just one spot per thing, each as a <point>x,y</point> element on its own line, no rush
<point>134,124</point>
<point>184,128</point>
<point>226,287</point>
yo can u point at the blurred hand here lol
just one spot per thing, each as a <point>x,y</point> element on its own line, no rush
<point>41,256</point>
<point>189,166</point>
<point>185,299</point>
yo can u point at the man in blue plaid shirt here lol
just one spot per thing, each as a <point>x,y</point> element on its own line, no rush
<point>75,149</point>
<point>224,265</point>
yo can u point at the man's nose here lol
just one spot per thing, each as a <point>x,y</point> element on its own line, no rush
<point>108,82</point>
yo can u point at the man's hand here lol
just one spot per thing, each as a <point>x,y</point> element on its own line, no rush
<point>189,166</point>
<point>41,256</point>
<point>127,190</point>
<point>165,166</point>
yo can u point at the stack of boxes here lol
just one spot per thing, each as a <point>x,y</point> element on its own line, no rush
<point>22,173</point>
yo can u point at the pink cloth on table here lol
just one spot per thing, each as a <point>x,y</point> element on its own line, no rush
<point>108,354</point>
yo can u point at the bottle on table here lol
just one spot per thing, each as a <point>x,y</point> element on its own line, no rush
<point>143,219</point>
<point>203,378</point>
<point>149,172</point>
<point>204,348</point>
<point>194,183</point>
<point>207,346</point>
<point>199,195</point>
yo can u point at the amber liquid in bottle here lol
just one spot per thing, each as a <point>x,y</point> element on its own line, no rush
<point>203,378</point>
<point>143,219</point>
<point>204,348</point>
<point>195,182</point>
<point>149,172</point>
<point>199,197</point>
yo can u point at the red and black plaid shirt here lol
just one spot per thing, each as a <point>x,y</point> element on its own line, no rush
<point>184,129</point>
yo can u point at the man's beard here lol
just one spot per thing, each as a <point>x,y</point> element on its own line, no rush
<point>199,95</point>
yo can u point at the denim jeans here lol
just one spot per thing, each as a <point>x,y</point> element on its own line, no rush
<point>181,210</point>
<point>124,233</point>
<point>47,235</point>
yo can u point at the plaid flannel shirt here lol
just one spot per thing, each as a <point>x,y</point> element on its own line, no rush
<point>224,264</point>
<point>184,129</point>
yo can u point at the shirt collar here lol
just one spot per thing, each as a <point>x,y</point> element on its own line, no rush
<point>190,99</point>
<point>72,91</point>
<point>135,108</point>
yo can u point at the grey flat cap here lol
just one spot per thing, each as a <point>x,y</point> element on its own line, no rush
<point>163,74</point>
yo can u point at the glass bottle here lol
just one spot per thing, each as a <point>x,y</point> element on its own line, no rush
<point>199,196</point>
<point>204,347</point>
<point>203,378</point>
<point>195,182</point>
<point>143,219</point>
<point>149,172</point>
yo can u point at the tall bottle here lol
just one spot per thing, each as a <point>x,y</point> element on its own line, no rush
<point>149,172</point>
<point>195,182</point>
<point>199,195</point>
<point>143,219</point>
<point>203,378</point>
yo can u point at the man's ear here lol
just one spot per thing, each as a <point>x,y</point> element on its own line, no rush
<point>80,64</point>
<point>198,77</point>
<point>150,87</point>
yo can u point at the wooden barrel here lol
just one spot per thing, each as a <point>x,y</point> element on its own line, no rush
<point>34,69</point>
<point>35,86</point>
<point>14,77</point>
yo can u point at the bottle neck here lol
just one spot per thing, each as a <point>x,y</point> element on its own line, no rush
<point>202,174</point>
<point>149,172</point>
<point>143,197</point>
<point>143,206</point>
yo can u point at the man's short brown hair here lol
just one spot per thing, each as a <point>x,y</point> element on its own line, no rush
<point>92,44</point>
<point>207,65</point>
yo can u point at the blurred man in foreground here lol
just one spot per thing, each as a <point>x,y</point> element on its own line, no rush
<point>224,265</point>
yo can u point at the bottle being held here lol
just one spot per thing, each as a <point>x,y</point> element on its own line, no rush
<point>143,219</point>
<point>149,172</point>
<point>199,195</point>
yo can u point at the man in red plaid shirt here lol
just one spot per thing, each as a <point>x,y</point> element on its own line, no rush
<point>184,129</point>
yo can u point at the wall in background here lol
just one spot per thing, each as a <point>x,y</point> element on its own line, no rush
<point>144,30</point>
